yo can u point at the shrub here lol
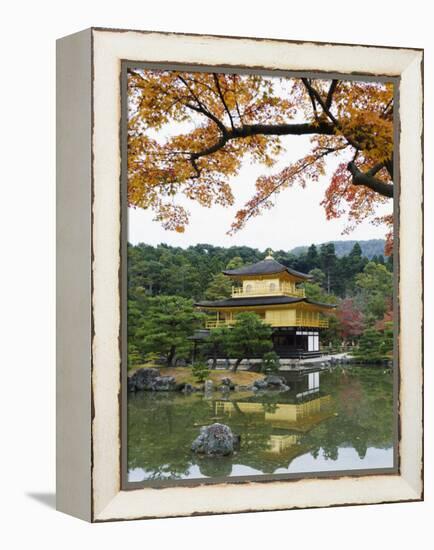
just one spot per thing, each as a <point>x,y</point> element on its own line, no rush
<point>270,362</point>
<point>200,372</point>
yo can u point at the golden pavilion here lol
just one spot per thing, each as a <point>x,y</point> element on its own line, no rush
<point>271,290</point>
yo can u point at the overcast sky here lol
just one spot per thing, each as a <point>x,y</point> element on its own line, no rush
<point>296,219</point>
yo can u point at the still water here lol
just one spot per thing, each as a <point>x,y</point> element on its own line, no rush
<point>331,420</point>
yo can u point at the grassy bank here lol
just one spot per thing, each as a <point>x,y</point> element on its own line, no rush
<point>184,375</point>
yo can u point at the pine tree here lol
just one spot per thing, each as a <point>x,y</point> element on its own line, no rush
<point>248,337</point>
<point>328,263</point>
<point>219,288</point>
<point>167,323</point>
<point>312,257</point>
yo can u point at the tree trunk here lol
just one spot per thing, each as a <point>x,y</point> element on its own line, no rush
<point>171,356</point>
<point>214,362</point>
<point>237,364</point>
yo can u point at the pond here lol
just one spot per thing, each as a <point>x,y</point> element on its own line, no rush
<point>334,420</point>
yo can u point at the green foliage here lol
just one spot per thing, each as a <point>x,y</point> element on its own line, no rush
<point>331,335</point>
<point>151,358</point>
<point>318,276</point>
<point>194,274</point>
<point>216,343</point>
<point>235,263</point>
<point>248,337</point>
<point>134,356</point>
<point>375,345</point>
<point>387,344</point>
<point>219,288</point>
<point>375,278</point>
<point>200,371</point>
<point>375,285</point>
<point>164,325</point>
<point>316,293</point>
<point>270,362</point>
<point>370,248</point>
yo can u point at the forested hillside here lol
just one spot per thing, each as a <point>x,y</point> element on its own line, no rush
<point>370,249</point>
<point>190,272</point>
<point>164,282</point>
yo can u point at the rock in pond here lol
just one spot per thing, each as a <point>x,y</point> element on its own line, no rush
<point>142,379</point>
<point>259,385</point>
<point>164,383</point>
<point>215,440</point>
<point>270,382</point>
<point>149,379</point>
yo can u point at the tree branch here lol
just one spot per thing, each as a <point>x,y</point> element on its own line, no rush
<point>313,102</point>
<point>330,93</point>
<point>327,111</point>
<point>209,115</point>
<point>367,179</point>
<point>261,129</point>
<point>220,93</point>
<point>258,129</point>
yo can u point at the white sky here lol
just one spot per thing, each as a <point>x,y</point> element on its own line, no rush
<point>296,219</point>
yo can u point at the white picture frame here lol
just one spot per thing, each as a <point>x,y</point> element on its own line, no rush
<point>89,264</point>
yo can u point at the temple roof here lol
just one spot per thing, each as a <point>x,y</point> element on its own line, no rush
<point>260,301</point>
<point>269,266</point>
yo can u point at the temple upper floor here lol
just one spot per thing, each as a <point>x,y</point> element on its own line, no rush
<point>266,278</point>
<point>267,287</point>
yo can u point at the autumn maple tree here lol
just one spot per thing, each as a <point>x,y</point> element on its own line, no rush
<point>189,134</point>
<point>351,319</point>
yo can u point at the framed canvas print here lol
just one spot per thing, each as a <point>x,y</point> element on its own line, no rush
<point>239,274</point>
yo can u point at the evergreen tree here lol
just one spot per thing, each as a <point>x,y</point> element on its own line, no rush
<point>375,285</point>
<point>389,263</point>
<point>318,276</point>
<point>217,343</point>
<point>317,294</point>
<point>167,323</point>
<point>219,288</point>
<point>386,347</point>
<point>248,337</point>
<point>372,345</point>
<point>270,362</point>
<point>234,263</point>
<point>312,257</point>
<point>328,263</point>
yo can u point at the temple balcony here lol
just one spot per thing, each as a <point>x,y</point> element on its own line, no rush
<point>306,319</point>
<point>267,289</point>
<point>215,323</point>
<point>302,319</point>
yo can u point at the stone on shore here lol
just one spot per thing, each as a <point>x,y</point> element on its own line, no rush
<point>164,383</point>
<point>149,379</point>
<point>270,382</point>
<point>142,379</point>
<point>208,386</point>
<point>226,381</point>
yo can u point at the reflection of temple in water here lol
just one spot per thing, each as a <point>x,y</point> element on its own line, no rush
<point>290,418</point>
